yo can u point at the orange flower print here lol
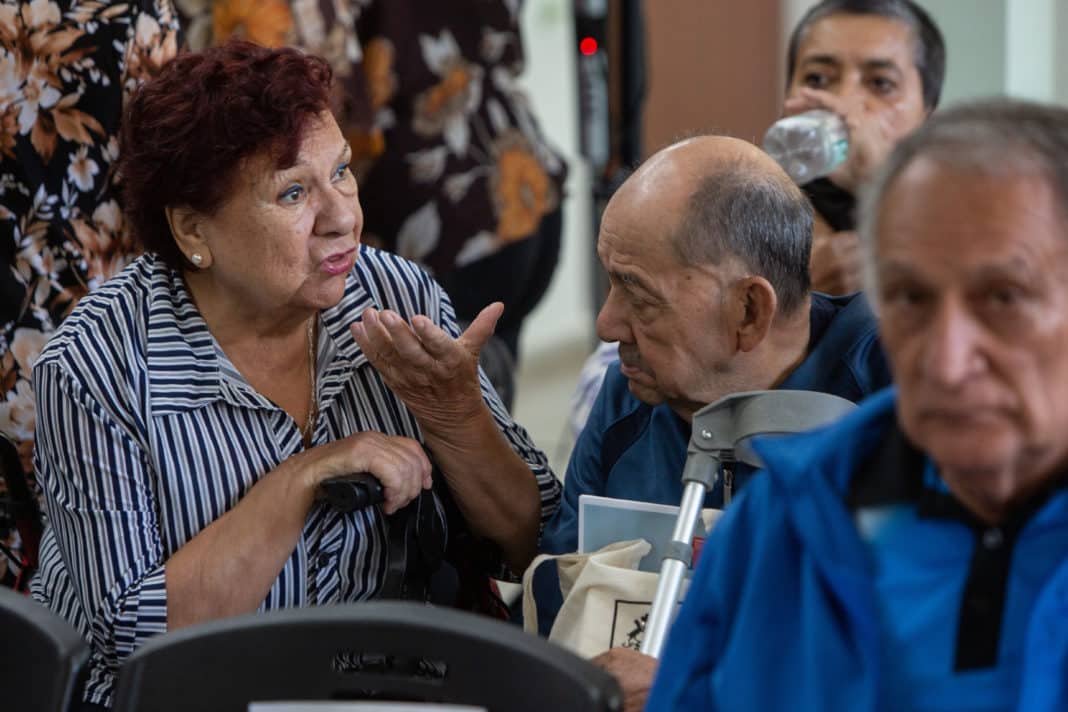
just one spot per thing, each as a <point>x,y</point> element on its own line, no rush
<point>366,144</point>
<point>378,71</point>
<point>17,414</point>
<point>154,45</point>
<point>106,246</point>
<point>522,190</point>
<point>9,110</point>
<point>444,108</point>
<point>265,22</point>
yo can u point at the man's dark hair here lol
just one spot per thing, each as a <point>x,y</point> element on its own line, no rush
<point>763,220</point>
<point>929,52</point>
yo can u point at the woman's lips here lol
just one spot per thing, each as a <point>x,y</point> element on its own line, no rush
<point>339,263</point>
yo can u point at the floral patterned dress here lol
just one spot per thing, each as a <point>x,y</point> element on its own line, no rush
<point>451,162</point>
<point>65,69</point>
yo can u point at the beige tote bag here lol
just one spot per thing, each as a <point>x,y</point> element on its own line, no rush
<point>606,600</point>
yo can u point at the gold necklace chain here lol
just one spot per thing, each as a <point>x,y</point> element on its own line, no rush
<point>313,410</point>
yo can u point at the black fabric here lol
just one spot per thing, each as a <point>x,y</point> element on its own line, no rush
<point>893,474</point>
<point>621,435</point>
<point>424,565</point>
<point>518,275</point>
<point>836,205</point>
<point>18,508</point>
<point>821,313</point>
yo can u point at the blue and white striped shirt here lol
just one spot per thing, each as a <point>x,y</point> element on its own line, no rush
<point>146,433</point>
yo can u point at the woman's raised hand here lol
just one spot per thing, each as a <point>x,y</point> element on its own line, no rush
<point>434,374</point>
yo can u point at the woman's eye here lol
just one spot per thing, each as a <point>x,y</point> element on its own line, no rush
<point>341,170</point>
<point>292,194</point>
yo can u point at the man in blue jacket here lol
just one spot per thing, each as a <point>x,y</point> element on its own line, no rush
<point>915,555</point>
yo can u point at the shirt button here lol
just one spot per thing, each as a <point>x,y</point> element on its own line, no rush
<point>993,539</point>
<point>324,560</point>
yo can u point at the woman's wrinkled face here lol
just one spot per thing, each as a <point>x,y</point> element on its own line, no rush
<point>286,238</point>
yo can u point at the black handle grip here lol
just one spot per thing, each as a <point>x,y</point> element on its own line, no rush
<point>348,493</point>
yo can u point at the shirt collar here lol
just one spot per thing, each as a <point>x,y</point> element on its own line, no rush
<point>187,370</point>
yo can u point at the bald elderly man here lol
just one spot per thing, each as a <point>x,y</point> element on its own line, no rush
<point>707,248</point>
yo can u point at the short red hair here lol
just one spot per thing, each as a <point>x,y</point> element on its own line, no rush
<point>185,132</point>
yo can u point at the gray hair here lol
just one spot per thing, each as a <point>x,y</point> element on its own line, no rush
<point>996,137</point>
<point>763,220</point>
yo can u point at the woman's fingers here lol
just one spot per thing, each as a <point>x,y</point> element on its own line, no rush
<point>400,464</point>
<point>405,470</point>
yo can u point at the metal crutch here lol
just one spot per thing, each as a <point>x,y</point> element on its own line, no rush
<point>722,432</point>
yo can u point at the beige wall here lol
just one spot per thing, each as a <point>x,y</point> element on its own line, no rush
<point>714,65</point>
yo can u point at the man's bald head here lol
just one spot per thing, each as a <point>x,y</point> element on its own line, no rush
<point>727,198</point>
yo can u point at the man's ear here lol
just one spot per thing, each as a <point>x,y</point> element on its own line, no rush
<point>186,226</point>
<point>757,305</point>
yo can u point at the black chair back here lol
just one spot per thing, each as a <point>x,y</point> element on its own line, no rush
<point>42,657</point>
<point>385,651</point>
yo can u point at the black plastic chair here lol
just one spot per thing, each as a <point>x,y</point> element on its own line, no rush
<point>383,651</point>
<point>42,657</point>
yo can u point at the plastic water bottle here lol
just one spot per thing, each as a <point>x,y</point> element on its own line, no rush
<point>809,145</point>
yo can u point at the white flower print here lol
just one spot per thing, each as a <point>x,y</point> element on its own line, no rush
<point>82,169</point>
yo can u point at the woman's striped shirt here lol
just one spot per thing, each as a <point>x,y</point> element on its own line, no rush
<point>146,433</point>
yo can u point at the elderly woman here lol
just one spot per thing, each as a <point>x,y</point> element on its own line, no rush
<point>189,410</point>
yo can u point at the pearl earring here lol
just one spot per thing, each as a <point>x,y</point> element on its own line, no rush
<point>197,258</point>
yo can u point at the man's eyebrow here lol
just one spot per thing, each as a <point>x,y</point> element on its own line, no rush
<point>880,63</point>
<point>890,270</point>
<point>632,281</point>
<point>820,59</point>
<point>1015,267</point>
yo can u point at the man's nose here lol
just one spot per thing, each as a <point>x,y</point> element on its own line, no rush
<point>611,321</point>
<point>953,346</point>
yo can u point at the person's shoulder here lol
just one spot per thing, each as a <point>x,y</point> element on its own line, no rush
<point>852,336</point>
<point>111,314</point>
<point>851,313</point>
<point>101,350</point>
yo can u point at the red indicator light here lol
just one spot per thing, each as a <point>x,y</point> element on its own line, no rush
<point>588,46</point>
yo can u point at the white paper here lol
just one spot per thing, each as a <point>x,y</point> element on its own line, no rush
<point>606,520</point>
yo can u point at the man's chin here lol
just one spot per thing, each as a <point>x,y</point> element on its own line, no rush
<point>986,452</point>
<point>646,394</point>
